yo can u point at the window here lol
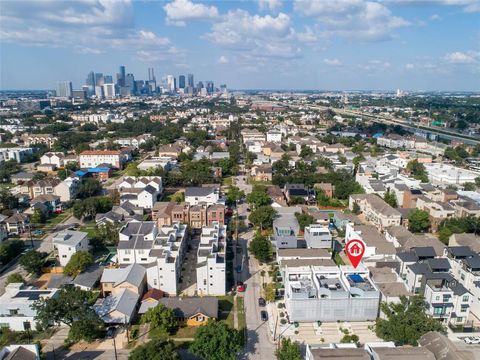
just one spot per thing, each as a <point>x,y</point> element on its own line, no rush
<point>465,298</point>
<point>126,259</point>
<point>437,298</point>
<point>13,312</point>
<point>438,311</point>
<point>464,308</point>
<point>462,276</point>
<point>128,252</point>
<point>154,282</point>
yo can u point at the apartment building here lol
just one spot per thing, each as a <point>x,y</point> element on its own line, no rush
<point>376,210</point>
<point>169,251</point>
<point>377,248</point>
<point>438,211</point>
<point>211,261</point>
<point>17,153</point>
<point>318,237</point>
<point>286,228</point>
<point>136,240</point>
<point>252,135</point>
<point>94,158</point>
<point>42,187</point>
<point>330,293</point>
<point>33,139</point>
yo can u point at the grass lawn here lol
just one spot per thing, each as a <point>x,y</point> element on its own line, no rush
<point>227,181</point>
<point>338,259</point>
<point>88,228</point>
<point>186,332</point>
<point>54,220</point>
<point>225,309</point>
<point>242,321</point>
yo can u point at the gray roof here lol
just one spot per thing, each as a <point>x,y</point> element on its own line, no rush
<point>460,251</point>
<point>189,306</point>
<point>89,277</point>
<point>124,302</point>
<point>443,348</point>
<point>199,191</point>
<point>400,353</point>
<point>339,354</point>
<point>133,274</point>
<point>69,237</point>
<point>21,353</point>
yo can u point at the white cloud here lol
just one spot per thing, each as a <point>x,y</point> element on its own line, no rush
<point>272,5</point>
<point>89,27</point>
<point>332,62</point>
<point>181,11</point>
<point>458,57</point>
<point>409,66</point>
<point>222,60</point>
<point>435,17</point>
<point>352,19</point>
<point>469,6</point>
<point>262,36</point>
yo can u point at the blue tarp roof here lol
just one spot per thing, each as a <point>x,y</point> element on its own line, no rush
<point>356,278</point>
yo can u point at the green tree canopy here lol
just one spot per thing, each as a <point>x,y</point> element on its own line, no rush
<point>70,305</point>
<point>288,350</point>
<point>162,318</point>
<point>417,170</point>
<point>38,217</point>
<point>263,216</point>
<point>418,221</point>
<point>234,194</point>
<point>261,248</point>
<point>32,262</point>
<point>259,197</point>
<point>390,199</point>
<point>15,278</point>
<point>78,263</point>
<point>157,349</point>
<point>216,341</point>
<point>89,187</point>
<point>304,220</point>
<point>406,321</point>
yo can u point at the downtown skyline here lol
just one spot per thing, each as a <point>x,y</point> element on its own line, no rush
<point>265,44</point>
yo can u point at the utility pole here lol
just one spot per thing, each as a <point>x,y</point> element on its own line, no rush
<point>115,346</point>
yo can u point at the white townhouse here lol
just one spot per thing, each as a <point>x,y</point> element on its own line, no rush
<point>142,192</point>
<point>68,242</point>
<point>274,136</point>
<point>16,312</point>
<point>211,261</point>
<point>135,242</point>
<point>53,158</point>
<point>67,189</point>
<point>94,158</point>
<point>207,195</point>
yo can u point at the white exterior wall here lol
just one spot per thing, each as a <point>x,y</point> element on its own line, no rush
<point>66,251</point>
<point>87,161</point>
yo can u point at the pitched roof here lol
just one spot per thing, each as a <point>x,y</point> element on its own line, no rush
<point>199,191</point>
<point>189,306</point>
<point>133,274</point>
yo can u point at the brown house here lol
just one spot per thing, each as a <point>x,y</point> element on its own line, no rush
<point>216,213</point>
<point>327,188</point>
<point>131,278</point>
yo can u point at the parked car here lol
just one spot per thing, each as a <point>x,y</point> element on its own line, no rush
<point>240,286</point>
<point>248,209</point>
<point>229,212</point>
<point>261,302</point>
<point>263,315</point>
<point>110,332</point>
<point>472,340</point>
<point>37,232</point>
<point>56,212</point>
<point>238,269</point>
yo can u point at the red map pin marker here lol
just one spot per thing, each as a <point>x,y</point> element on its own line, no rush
<point>355,249</point>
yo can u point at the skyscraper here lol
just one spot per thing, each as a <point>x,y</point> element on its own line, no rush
<point>181,82</point>
<point>190,80</point>
<point>107,79</point>
<point>109,91</point>
<point>210,87</point>
<point>64,89</point>
<point>151,75</point>
<point>99,81</point>
<point>90,82</point>
<point>130,83</point>
<point>170,83</point>
<point>121,79</point>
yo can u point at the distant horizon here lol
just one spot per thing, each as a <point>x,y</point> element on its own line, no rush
<point>257,44</point>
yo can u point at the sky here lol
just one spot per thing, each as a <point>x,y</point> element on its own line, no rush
<point>246,44</point>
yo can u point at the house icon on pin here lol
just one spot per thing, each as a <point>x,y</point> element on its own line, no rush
<point>355,250</point>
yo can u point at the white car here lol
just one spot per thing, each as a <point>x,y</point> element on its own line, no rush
<point>472,340</point>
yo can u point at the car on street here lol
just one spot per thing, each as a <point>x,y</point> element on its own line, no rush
<point>37,232</point>
<point>248,209</point>
<point>229,212</point>
<point>56,212</point>
<point>240,286</point>
<point>238,269</point>
<point>261,302</point>
<point>110,332</point>
<point>472,340</point>
<point>263,315</point>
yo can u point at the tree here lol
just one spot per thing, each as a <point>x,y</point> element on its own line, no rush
<point>270,292</point>
<point>89,187</point>
<point>10,250</point>
<point>406,321</point>
<point>390,199</point>
<point>178,197</point>
<point>418,221</point>
<point>32,262</point>
<point>261,248</point>
<point>162,318</point>
<point>7,200</point>
<point>88,328</point>
<point>288,350</point>
<point>259,197</point>
<point>477,181</point>
<point>304,220</point>
<point>306,152</point>
<point>157,349</point>
<point>70,305</point>
<point>38,217</point>
<point>216,341</point>
<point>15,278</point>
<point>469,186</point>
<point>78,263</point>
<point>263,216</point>
<point>234,194</point>
<point>417,170</point>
